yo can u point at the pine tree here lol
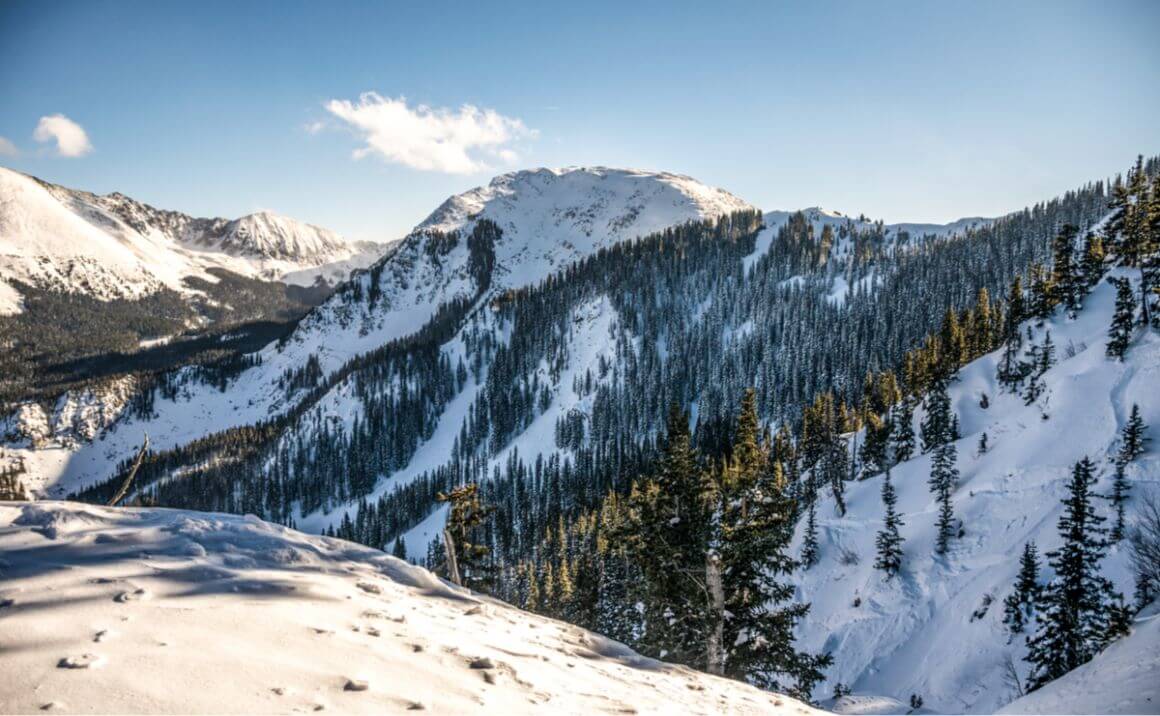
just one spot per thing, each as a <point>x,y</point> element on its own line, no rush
<point>1042,358</point>
<point>1092,261</point>
<point>1073,626</point>
<point>400,548</point>
<point>1020,604</point>
<point>668,541</point>
<point>1065,279</point>
<point>1011,370</point>
<point>1123,320</point>
<point>888,540</point>
<point>810,537</point>
<point>936,427</point>
<point>1119,498</point>
<point>944,476</point>
<point>1133,438</point>
<point>756,527</point>
<point>903,434</point>
<point>1133,442</point>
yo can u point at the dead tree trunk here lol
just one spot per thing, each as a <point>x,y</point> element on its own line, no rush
<point>452,562</point>
<point>715,647</point>
<point>128,483</point>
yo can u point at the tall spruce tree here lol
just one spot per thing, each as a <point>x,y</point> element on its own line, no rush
<point>669,538</point>
<point>1123,319</point>
<point>1133,442</point>
<point>1074,620</point>
<point>1020,604</point>
<point>902,437</point>
<point>936,426</point>
<point>1065,278</point>
<point>755,529</point>
<point>944,476</point>
<point>888,541</point>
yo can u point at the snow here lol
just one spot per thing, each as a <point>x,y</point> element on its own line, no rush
<point>914,634</point>
<point>167,611</point>
<point>114,247</point>
<point>1124,679</point>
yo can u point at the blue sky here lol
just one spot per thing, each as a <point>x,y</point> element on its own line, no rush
<point>903,111</point>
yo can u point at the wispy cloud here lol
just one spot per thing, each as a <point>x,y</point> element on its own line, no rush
<point>7,148</point>
<point>70,137</point>
<point>430,139</point>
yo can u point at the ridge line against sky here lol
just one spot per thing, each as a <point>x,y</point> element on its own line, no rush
<point>363,118</point>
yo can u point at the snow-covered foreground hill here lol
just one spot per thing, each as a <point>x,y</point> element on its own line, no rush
<point>936,630</point>
<point>113,246</point>
<point>165,611</point>
<point>1124,679</point>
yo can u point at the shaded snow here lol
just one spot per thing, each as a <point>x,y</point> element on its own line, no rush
<point>167,611</point>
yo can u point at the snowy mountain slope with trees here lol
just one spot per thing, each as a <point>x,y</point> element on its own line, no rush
<point>553,398</point>
<point>166,611</point>
<point>936,629</point>
<point>554,216</point>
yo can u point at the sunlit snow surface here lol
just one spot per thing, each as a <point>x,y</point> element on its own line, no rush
<point>166,611</point>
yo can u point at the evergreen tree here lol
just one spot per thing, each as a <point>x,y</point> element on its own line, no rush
<point>1123,320</point>
<point>1133,442</point>
<point>1042,358</point>
<point>1133,438</point>
<point>888,540</point>
<point>400,548</point>
<point>903,434</point>
<point>936,426</point>
<point>1066,280</point>
<point>1092,261</point>
<point>1020,604</point>
<point>669,538</point>
<point>756,526</point>
<point>1011,370</point>
<point>810,537</point>
<point>944,476</point>
<point>1074,620</point>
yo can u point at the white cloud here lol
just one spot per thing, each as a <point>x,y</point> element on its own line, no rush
<point>430,139</point>
<point>7,148</point>
<point>70,137</point>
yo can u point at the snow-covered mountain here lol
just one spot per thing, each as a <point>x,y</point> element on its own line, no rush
<point>549,219</point>
<point>166,611</point>
<point>113,246</point>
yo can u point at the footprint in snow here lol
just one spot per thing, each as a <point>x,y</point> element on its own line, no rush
<point>370,588</point>
<point>103,635</point>
<point>133,596</point>
<point>80,661</point>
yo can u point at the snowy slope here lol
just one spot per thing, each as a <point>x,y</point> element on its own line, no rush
<point>915,634</point>
<point>115,247</point>
<point>165,611</point>
<point>1124,679</point>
